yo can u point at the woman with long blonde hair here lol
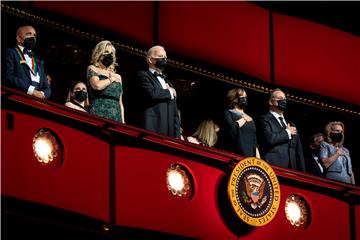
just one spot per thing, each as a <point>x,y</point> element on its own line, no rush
<point>334,156</point>
<point>206,134</point>
<point>105,83</point>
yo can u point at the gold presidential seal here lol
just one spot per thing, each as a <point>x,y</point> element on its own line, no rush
<point>254,191</point>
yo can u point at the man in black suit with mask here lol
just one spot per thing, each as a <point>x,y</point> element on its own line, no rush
<point>23,70</point>
<point>312,161</point>
<point>279,142</point>
<point>158,97</point>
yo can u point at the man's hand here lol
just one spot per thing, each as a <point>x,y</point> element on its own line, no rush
<point>39,94</point>
<point>292,130</point>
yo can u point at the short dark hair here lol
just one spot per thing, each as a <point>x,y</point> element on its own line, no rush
<point>271,94</point>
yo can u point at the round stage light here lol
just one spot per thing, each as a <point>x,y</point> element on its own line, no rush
<point>47,148</point>
<point>297,211</point>
<point>179,181</point>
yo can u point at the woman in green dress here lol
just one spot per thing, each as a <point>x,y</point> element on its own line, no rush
<point>105,83</point>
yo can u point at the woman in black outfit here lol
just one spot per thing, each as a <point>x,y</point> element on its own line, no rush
<point>240,130</point>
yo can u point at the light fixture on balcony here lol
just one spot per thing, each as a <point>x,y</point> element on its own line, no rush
<point>179,181</point>
<point>47,147</point>
<point>297,211</point>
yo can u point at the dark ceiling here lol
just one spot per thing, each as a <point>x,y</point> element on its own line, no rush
<point>342,15</point>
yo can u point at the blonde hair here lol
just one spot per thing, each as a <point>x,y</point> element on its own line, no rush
<point>232,98</point>
<point>206,132</point>
<point>70,98</point>
<point>99,51</point>
<point>328,129</point>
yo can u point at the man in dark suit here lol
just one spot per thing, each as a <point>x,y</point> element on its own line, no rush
<point>158,97</point>
<point>279,142</point>
<point>312,162</point>
<point>23,70</point>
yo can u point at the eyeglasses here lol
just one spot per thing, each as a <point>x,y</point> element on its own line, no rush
<point>157,58</point>
<point>278,99</point>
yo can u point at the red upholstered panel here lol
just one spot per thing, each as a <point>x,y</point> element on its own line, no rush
<point>316,58</point>
<point>79,185</point>
<point>231,34</point>
<point>143,200</point>
<point>133,19</point>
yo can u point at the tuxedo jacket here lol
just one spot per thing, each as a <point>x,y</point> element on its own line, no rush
<point>17,73</point>
<point>276,147</point>
<point>159,111</point>
<point>312,167</point>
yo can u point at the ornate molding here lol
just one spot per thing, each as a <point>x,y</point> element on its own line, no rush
<point>178,64</point>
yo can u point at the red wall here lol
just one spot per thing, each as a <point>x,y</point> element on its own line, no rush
<point>132,19</point>
<point>308,56</point>
<point>316,58</point>
<point>230,34</point>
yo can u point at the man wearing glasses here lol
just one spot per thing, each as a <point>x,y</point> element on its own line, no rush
<point>158,97</point>
<point>279,141</point>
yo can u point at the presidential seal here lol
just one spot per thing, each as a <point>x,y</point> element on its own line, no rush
<point>254,191</point>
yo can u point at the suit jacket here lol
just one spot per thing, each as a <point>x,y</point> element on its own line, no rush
<point>312,167</point>
<point>159,111</point>
<point>276,147</point>
<point>17,74</point>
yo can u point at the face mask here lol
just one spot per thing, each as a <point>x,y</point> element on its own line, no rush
<point>336,137</point>
<point>80,96</point>
<point>161,63</point>
<point>316,149</point>
<point>282,105</point>
<point>107,60</point>
<point>29,43</point>
<point>242,102</point>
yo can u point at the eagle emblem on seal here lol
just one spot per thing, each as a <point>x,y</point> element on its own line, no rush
<point>254,194</point>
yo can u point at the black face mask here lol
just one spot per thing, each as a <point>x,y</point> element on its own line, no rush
<point>29,43</point>
<point>80,96</point>
<point>242,102</point>
<point>316,150</point>
<point>336,137</point>
<point>281,105</point>
<point>107,60</point>
<point>161,63</point>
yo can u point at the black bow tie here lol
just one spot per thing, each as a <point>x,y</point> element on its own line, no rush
<point>28,52</point>
<point>160,75</point>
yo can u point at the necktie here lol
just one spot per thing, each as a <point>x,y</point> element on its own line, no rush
<point>282,122</point>
<point>27,52</point>
<point>160,75</point>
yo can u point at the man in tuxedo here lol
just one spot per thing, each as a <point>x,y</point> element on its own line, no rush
<point>158,97</point>
<point>279,142</point>
<point>23,70</point>
<point>313,163</point>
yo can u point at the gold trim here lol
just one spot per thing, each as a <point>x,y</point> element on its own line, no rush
<point>177,64</point>
<point>259,214</point>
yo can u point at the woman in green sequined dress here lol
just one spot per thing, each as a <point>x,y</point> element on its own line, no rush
<point>106,85</point>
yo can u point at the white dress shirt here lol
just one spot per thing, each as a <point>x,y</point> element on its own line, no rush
<point>276,115</point>
<point>34,77</point>
<point>162,82</point>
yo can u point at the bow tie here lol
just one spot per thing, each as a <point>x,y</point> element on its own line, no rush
<point>160,75</point>
<point>28,52</point>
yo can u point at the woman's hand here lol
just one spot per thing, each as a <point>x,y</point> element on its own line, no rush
<point>114,77</point>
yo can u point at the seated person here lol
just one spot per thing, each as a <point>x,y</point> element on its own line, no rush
<point>312,162</point>
<point>206,134</point>
<point>77,97</point>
